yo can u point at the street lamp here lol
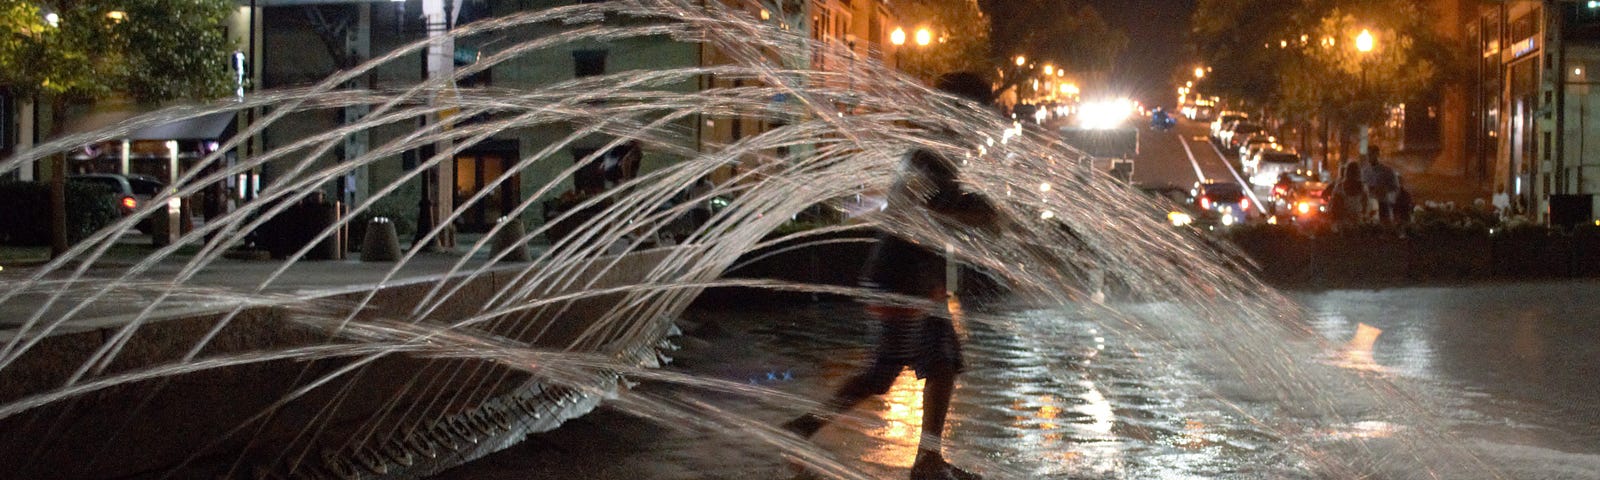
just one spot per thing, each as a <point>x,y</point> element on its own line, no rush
<point>1199,72</point>
<point>1364,45</point>
<point>1364,41</point>
<point>1049,70</point>
<point>1021,60</point>
<point>898,36</point>
<point>924,36</point>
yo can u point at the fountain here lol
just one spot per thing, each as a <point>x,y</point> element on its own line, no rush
<point>182,362</point>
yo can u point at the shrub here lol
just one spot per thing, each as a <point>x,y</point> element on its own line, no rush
<point>1449,218</point>
<point>27,219</point>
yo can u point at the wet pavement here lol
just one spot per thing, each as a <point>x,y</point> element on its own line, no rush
<point>1505,372</point>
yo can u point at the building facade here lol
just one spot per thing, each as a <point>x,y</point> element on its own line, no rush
<point>1534,119</point>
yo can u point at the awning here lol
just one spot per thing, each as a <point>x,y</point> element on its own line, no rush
<point>205,127</point>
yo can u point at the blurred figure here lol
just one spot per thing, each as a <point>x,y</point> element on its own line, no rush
<point>910,335</point>
<point>1382,186</point>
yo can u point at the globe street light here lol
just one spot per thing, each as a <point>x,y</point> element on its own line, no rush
<point>1364,41</point>
<point>924,36</point>
<point>898,36</point>
<point>1199,72</point>
<point>1021,60</point>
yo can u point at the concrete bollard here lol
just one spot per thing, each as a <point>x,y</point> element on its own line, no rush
<point>509,240</point>
<point>381,243</point>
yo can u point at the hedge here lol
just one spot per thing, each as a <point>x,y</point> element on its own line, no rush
<point>27,212</point>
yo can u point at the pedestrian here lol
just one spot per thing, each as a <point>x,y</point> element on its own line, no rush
<point>910,335</point>
<point>1349,198</point>
<point>1502,202</point>
<point>1382,184</point>
<point>1403,204</point>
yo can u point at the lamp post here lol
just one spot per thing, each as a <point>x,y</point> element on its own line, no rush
<point>1364,45</point>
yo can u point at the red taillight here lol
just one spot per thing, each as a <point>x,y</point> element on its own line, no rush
<point>130,203</point>
<point>1280,191</point>
<point>1205,203</point>
<point>1244,204</point>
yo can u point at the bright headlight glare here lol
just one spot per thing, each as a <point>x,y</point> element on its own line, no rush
<point>1106,114</point>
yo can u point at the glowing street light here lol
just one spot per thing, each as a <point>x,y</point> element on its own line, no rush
<point>924,36</point>
<point>1049,70</point>
<point>898,36</point>
<point>1364,41</point>
<point>1199,72</point>
<point>1364,44</point>
<point>1021,60</point>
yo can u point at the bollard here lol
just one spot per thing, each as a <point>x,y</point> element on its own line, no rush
<point>380,243</point>
<point>509,240</point>
<point>323,214</point>
<point>170,224</point>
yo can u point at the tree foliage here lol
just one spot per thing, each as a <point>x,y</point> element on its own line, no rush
<point>960,37</point>
<point>149,50</point>
<point>1069,34</point>
<point>1300,56</point>
<point>1064,32</point>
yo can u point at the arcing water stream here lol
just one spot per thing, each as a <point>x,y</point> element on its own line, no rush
<point>407,378</point>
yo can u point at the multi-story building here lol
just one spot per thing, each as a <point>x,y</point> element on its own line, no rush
<point>294,43</point>
<point>1535,119</point>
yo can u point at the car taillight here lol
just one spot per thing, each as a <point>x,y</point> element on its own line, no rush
<point>130,203</point>
<point>1244,204</point>
<point>1205,203</point>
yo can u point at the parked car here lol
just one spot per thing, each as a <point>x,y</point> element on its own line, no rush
<point>1240,132</point>
<point>1225,120</point>
<point>1259,141</point>
<point>130,191</point>
<point>1264,166</point>
<point>1226,200</point>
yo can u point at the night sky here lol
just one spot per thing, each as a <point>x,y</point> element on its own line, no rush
<point>1156,32</point>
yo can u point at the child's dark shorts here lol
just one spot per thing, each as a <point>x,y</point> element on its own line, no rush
<point>929,345</point>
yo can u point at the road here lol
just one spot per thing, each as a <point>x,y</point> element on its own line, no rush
<point>1182,156</point>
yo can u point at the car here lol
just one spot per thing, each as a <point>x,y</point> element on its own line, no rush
<point>1226,132</point>
<point>1161,120</point>
<point>1264,166</point>
<point>129,191</point>
<point>1177,206</point>
<point>1282,193</point>
<point>1240,132</point>
<point>1224,120</point>
<point>1304,204</point>
<point>1227,200</point>
<point>1257,141</point>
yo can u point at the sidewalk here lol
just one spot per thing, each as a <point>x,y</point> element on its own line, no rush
<point>1428,185</point>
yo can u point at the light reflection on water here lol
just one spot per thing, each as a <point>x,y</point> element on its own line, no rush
<point>902,423</point>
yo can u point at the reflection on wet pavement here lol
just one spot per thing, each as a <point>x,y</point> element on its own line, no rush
<point>1052,394</point>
